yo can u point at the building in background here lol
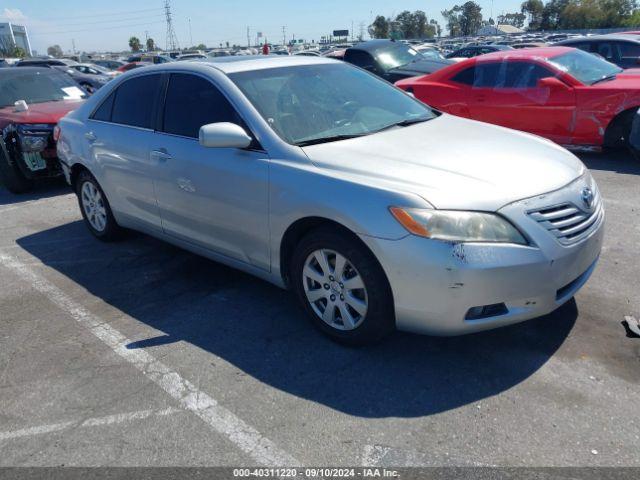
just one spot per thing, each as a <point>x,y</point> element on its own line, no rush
<point>12,35</point>
<point>498,30</point>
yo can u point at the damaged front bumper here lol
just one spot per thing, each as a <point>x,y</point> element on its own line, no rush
<point>32,149</point>
<point>445,288</point>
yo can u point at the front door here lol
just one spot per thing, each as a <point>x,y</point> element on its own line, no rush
<point>506,93</point>
<point>216,198</point>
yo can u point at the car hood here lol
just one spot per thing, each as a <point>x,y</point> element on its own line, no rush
<point>453,163</point>
<point>420,67</point>
<point>47,112</point>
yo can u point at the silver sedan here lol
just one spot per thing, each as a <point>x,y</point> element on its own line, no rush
<point>375,210</point>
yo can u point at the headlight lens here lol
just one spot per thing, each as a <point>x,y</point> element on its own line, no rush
<point>458,226</point>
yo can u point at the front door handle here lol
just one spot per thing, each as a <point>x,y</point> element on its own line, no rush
<point>160,155</point>
<point>90,136</point>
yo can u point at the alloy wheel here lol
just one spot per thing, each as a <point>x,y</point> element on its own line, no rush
<point>335,289</point>
<point>93,206</point>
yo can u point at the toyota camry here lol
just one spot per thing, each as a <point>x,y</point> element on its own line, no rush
<point>376,211</point>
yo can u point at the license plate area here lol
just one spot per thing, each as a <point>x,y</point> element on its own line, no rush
<point>34,161</point>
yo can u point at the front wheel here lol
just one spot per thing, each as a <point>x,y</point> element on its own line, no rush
<point>342,287</point>
<point>95,209</point>
<point>12,178</point>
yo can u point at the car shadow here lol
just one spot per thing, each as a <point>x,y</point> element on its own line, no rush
<point>48,188</point>
<point>619,161</point>
<point>259,329</point>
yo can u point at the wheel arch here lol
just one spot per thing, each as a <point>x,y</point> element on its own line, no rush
<point>616,129</point>
<point>76,169</point>
<point>298,229</point>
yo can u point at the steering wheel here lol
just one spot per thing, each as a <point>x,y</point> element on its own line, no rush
<point>349,108</point>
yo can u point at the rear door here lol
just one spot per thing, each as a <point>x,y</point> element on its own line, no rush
<point>216,198</point>
<point>118,139</point>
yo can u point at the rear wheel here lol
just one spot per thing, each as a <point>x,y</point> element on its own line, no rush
<point>342,287</point>
<point>95,209</point>
<point>11,176</point>
<point>619,132</point>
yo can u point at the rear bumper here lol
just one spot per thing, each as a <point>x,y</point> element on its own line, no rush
<point>435,283</point>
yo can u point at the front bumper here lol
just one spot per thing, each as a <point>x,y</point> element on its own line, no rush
<point>436,283</point>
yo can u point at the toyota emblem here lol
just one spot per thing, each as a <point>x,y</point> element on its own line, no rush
<point>587,197</point>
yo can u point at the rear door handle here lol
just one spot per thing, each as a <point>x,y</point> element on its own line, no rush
<point>90,136</point>
<point>160,155</point>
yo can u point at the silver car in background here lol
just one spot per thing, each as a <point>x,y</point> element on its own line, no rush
<point>375,210</point>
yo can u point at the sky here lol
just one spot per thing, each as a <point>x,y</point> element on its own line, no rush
<point>107,26</point>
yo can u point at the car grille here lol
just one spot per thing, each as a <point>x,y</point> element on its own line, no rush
<point>569,223</point>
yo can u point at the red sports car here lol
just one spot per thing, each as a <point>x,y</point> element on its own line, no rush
<point>566,95</point>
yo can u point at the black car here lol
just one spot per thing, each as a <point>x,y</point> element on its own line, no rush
<point>622,50</point>
<point>476,50</point>
<point>109,64</point>
<point>90,83</point>
<point>392,60</point>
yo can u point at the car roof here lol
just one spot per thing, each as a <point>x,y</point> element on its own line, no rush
<point>527,53</point>
<point>251,62</point>
<point>7,72</point>
<point>611,36</point>
<point>373,45</point>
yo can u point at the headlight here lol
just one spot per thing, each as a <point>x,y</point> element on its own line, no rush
<point>458,226</point>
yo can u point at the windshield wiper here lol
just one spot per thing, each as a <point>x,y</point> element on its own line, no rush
<point>334,138</point>
<point>404,123</point>
<point>604,79</point>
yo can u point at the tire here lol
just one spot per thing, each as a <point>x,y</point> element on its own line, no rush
<point>619,131</point>
<point>368,311</point>
<point>95,209</point>
<point>12,178</point>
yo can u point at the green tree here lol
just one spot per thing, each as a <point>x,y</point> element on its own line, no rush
<point>405,24</point>
<point>134,44</point>
<point>464,19</point>
<point>55,51</point>
<point>437,29</point>
<point>533,10</point>
<point>452,17</point>
<point>515,19</point>
<point>470,18</point>
<point>151,44</point>
<point>551,14</point>
<point>379,28</point>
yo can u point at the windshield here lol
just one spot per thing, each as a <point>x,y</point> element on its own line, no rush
<point>431,54</point>
<point>396,55</point>
<point>585,67</point>
<point>327,101</point>
<point>37,87</point>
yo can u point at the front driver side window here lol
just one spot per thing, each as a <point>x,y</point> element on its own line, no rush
<point>192,102</point>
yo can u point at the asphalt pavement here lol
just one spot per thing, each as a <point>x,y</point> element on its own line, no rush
<point>140,354</point>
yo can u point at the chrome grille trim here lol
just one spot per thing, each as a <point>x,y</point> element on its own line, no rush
<point>567,222</point>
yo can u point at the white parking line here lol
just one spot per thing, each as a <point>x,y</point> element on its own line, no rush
<point>89,422</point>
<point>223,421</point>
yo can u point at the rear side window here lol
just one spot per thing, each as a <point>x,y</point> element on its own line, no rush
<point>484,75</point>
<point>103,113</point>
<point>359,58</point>
<point>628,49</point>
<point>134,101</point>
<point>192,102</point>
<point>466,76</point>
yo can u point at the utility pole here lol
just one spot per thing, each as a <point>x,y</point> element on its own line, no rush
<point>284,35</point>
<point>248,38</point>
<point>190,35</point>
<point>352,31</point>
<point>172,40</point>
<point>73,44</point>
<point>361,38</point>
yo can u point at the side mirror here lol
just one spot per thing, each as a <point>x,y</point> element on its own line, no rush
<point>224,135</point>
<point>552,83</point>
